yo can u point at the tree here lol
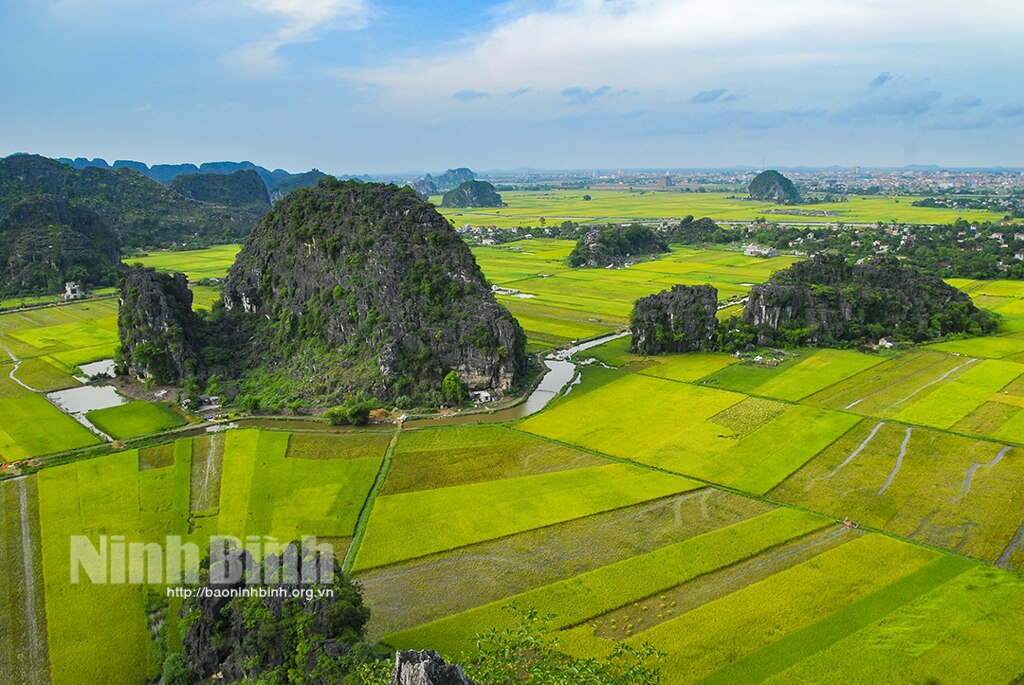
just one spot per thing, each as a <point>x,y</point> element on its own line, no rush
<point>453,389</point>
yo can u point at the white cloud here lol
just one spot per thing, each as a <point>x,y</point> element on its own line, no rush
<point>668,45</point>
<point>301,21</point>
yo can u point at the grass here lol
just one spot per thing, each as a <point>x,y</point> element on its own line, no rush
<point>582,597</point>
<point>414,524</point>
<point>135,418</point>
<point>891,387</point>
<point>460,455</point>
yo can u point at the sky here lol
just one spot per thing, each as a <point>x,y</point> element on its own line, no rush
<point>371,86</point>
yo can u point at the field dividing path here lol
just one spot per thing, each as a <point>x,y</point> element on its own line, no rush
<point>899,462</point>
<point>24,652</point>
<point>853,454</point>
<point>17,363</point>
<point>988,464</point>
<point>780,655</point>
<point>371,497</point>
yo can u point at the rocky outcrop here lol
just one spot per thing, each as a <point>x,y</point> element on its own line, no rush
<point>45,242</point>
<point>161,336</point>
<point>692,231</point>
<point>612,245</point>
<point>678,320</point>
<point>771,186</point>
<point>826,301</point>
<point>349,287</point>
<point>242,188</point>
<point>452,178</point>
<point>425,668</point>
<point>472,194</point>
<point>424,187</point>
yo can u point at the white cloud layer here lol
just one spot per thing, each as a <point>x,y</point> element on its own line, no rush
<point>300,21</point>
<point>652,45</point>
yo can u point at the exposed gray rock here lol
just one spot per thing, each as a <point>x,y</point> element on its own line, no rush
<point>425,668</point>
<point>160,334</point>
<point>678,320</point>
<point>344,275</point>
<point>825,300</point>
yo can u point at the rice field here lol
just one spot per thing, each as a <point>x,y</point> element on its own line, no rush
<point>526,208</point>
<point>135,418</point>
<point>149,494</point>
<point>690,501</point>
<point>556,304</point>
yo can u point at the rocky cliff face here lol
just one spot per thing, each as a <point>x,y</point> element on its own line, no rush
<point>825,301</point>
<point>677,320</point>
<point>347,287</point>
<point>161,336</point>
<point>472,194</point>
<point>771,186</point>
<point>242,188</point>
<point>45,241</point>
<point>425,668</point>
<point>603,246</point>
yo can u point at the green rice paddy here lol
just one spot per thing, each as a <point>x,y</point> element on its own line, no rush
<point>690,501</point>
<point>135,418</point>
<point>526,208</point>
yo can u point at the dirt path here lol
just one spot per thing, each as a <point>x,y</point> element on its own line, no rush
<point>17,364</point>
<point>860,448</point>
<point>899,462</point>
<point>977,465</point>
<point>946,375</point>
<point>24,656</point>
<point>1015,542</point>
<point>937,380</point>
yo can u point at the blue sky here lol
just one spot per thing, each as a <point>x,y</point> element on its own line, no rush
<point>354,86</point>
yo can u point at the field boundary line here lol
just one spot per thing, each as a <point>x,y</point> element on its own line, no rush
<point>371,497</point>
<point>779,503</point>
<point>988,464</point>
<point>791,649</point>
<point>899,462</point>
<point>421,557</point>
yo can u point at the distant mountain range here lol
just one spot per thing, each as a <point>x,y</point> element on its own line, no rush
<point>275,181</point>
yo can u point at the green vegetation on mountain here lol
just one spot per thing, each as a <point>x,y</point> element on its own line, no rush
<point>141,211</point>
<point>827,301</point>
<point>294,182</point>
<point>45,242</point>
<point>771,186</point>
<point>472,194</point>
<point>344,289</point>
<point>242,188</point>
<point>608,245</point>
